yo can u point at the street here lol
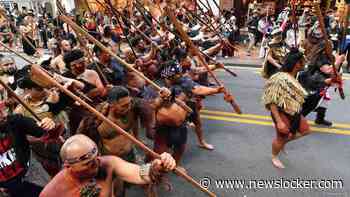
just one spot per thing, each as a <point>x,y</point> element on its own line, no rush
<point>243,147</point>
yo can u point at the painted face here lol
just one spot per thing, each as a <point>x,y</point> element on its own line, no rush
<point>122,106</point>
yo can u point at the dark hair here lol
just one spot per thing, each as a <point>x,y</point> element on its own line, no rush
<point>293,57</point>
<point>116,93</point>
<point>23,79</point>
<point>72,56</point>
<point>107,31</point>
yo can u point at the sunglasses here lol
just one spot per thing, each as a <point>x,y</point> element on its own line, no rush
<point>84,157</point>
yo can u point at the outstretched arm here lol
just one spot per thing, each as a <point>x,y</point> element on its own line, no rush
<point>136,174</point>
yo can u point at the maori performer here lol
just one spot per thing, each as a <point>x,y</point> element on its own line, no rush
<point>28,30</point>
<point>190,92</point>
<point>284,96</point>
<point>317,78</point>
<point>15,151</point>
<point>90,83</point>
<point>46,104</point>
<point>320,74</point>
<point>275,55</point>
<point>87,174</point>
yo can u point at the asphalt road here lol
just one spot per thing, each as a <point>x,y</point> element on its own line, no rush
<point>243,149</point>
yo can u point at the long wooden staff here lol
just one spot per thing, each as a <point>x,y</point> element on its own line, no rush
<point>117,13</point>
<point>212,28</point>
<point>24,104</point>
<point>15,52</point>
<point>109,3</point>
<point>195,52</point>
<point>100,116</point>
<point>207,56</point>
<point>132,24</point>
<point>121,61</point>
<point>36,79</point>
<point>21,101</point>
<point>328,47</point>
<point>98,68</point>
<point>23,36</point>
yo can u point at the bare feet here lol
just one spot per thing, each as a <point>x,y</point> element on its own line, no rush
<point>277,162</point>
<point>205,145</point>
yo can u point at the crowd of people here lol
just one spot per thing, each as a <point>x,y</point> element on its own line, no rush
<point>87,156</point>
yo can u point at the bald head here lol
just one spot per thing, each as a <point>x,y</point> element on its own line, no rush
<point>76,146</point>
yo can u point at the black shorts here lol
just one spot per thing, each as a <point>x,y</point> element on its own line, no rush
<point>176,136</point>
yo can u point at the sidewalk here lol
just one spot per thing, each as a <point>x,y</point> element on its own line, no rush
<point>241,58</point>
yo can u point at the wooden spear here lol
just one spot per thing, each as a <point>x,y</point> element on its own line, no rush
<point>121,61</point>
<point>21,101</point>
<point>98,68</point>
<point>100,116</point>
<point>36,80</point>
<point>23,36</point>
<point>136,28</point>
<point>195,52</point>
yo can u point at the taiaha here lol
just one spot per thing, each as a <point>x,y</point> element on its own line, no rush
<point>99,70</point>
<point>208,57</point>
<point>328,49</point>
<point>15,52</point>
<point>21,101</point>
<point>212,28</point>
<point>211,10</point>
<point>195,52</point>
<point>133,25</point>
<point>100,116</point>
<point>121,61</point>
<point>109,3</point>
<point>35,79</point>
<point>2,13</point>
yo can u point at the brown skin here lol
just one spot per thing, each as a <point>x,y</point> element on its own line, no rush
<point>90,76</point>
<point>119,145</point>
<point>74,176</point>
<point>280,141</point>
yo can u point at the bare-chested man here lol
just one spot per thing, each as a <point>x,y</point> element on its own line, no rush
<point>87,174</point>
<point>120,112</point>
<point>57,63</point>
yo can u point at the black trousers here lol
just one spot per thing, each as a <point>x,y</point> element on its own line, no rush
<point>310,104</point>
<point>27,47</point>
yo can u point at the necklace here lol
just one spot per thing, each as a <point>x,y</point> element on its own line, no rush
<point>90,189</point>
<point>124,119</point>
